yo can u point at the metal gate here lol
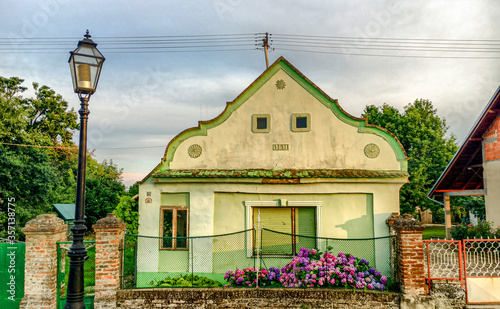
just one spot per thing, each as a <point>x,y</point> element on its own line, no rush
<point>475,263</point>
<point>11,274</point>
<point>63,273</point>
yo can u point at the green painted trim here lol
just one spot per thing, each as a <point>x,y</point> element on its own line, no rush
<point>278,174</point>
<point>280,64</point>
<point>398,149</point>
<point>342,115</point>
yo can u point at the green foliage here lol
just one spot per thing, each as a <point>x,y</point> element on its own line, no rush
<point>103,189</point>
<point>475,204</point>
<point>438,216</point>
<point>133,190</point>
<point>188,281</point>
<point>483,229</point>
<point>40,176</point>
<point>422,133</point>
<point>458,214</point>
<point>47,114</point>
<point>28,179</point>
<point>128,210</point>
<point>129,255</point>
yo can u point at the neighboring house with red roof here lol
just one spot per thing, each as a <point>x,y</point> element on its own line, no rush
<point>282,150</point>
<point>475,168</point>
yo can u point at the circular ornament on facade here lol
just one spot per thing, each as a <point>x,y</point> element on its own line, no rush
<point>372,151</point>
<point>280,84</point>
<point>194,151</point>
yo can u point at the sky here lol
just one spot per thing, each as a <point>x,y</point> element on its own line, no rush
<point>144,99</point>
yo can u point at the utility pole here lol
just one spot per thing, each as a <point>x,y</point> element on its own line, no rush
<point>266,46</point>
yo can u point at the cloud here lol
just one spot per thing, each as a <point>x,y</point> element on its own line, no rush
<point>147,99</point>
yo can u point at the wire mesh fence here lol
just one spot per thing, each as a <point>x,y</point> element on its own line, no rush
<point>63,264</point>
<point>203,261</point>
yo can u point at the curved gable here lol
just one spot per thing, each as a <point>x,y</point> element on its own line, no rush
<point>334,140</point>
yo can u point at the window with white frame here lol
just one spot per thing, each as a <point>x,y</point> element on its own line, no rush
<point>284,229</point>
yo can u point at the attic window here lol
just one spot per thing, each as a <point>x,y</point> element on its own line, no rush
<point>301,122</point>
<point>261,123</point>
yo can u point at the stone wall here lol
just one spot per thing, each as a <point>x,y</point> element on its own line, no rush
<point>255,298</point>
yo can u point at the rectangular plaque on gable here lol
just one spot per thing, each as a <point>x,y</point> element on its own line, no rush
<point>278,147</point>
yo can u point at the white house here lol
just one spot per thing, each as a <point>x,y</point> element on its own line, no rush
<point>282,151</point>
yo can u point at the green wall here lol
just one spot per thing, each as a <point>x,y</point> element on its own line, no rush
<point>343,215</point>
<point>174,199</point>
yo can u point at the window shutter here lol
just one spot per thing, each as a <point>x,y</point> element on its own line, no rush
<point>279,220</point>
<point>306,226</point>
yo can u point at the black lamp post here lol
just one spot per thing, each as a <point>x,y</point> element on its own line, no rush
<point>85,63</point>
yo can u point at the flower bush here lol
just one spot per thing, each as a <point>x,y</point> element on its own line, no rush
<point>343,270</point>
<point>247,277</point>
<point>483,229</point>
<point>311,268</point>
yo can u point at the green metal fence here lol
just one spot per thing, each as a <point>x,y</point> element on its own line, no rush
<point>147,263</point>
<point>63,273</point>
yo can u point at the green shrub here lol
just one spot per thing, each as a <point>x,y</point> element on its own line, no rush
<point>190,281</point>
<point>438,216</point>
<point>484,229</point>
<point>475,204</point>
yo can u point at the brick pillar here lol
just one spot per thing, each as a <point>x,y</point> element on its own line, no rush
<point>40,270</point>
<point>109,233</point>
<point>410,255</point>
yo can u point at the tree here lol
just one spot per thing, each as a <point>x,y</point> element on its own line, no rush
<point>103,189</point>
<point>34,170</point>
<point>48,114</point>
<point>128,210</point>
<point>27,178</point>
<point>27,174</point>
<point>475,204</point>
<point>423,135</point>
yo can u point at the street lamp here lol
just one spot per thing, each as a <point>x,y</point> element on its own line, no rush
<point>85,63</point>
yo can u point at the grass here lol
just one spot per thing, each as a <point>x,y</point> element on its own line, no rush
<point>434,231</point>
<point>89,271</point>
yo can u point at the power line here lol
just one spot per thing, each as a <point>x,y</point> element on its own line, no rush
<point>39,146</point>
<point>385,39</point>
<point>373,47</point>
<point>76,148</point>
<point>389,56</point>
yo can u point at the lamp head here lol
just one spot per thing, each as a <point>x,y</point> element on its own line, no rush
<point>85,63</point>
